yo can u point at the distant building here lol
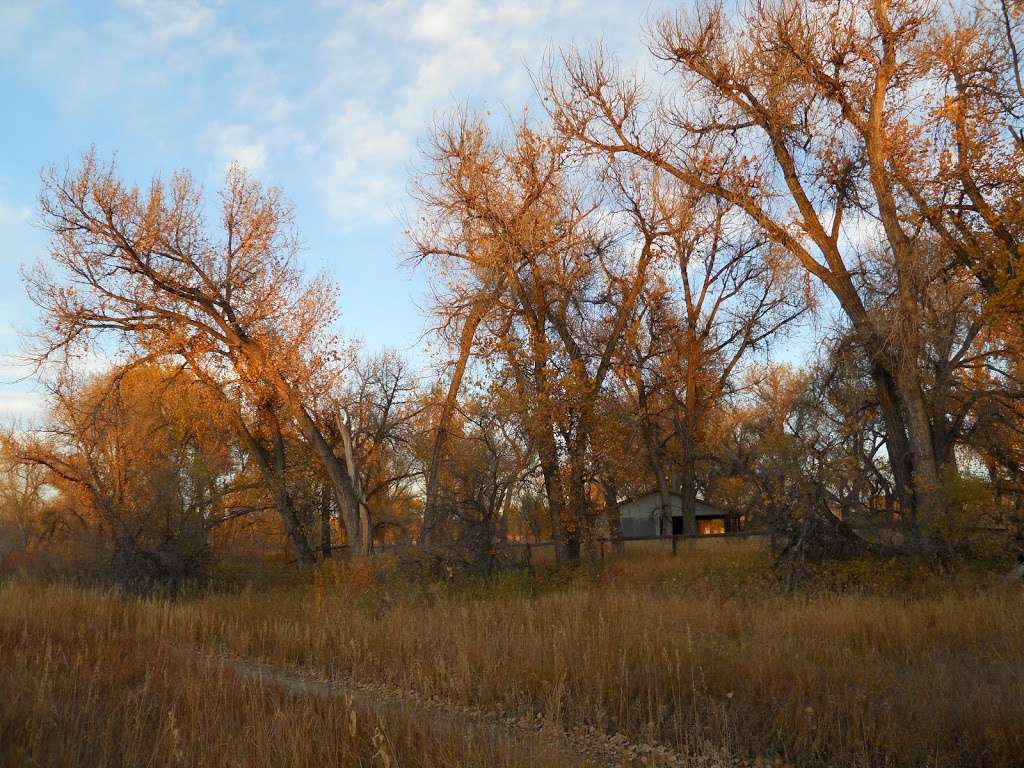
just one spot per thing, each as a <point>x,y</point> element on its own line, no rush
<point>642,516</point>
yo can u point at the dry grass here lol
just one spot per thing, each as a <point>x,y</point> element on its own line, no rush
<point>883,666</point>
<point>85,684</point>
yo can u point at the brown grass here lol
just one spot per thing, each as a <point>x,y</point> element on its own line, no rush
<point>878,665</point>
<point>84,683</point>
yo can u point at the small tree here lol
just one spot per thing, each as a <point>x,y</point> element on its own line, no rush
<point>142,467</point>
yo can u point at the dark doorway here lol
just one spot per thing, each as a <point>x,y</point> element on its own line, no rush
<point>677,525</point>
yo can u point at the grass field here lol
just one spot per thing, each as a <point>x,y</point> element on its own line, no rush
<point>703,654</point>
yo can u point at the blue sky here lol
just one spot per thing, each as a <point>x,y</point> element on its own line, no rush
<point>325,99</point>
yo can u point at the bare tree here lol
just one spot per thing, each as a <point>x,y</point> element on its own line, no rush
<point>144,269</point>
<point>797,114</point>
<point>136,460</point>
<point>516,224</point>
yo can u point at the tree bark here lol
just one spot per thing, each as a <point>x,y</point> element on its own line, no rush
<point>431,513</point>
<point>926,466</point>
<point>326,549</point>
<point>688,486</point>
<point>688,481</point>
<point>282,498</point>
<point>901,460</point>
<point>556,504</point>
<point>654,457</point>
<point>612,514</point>
<point>576,518</point>
<point>363,522</point>
<point>342,482</point>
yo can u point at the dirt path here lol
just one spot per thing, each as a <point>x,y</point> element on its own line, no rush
<point>535,742</point>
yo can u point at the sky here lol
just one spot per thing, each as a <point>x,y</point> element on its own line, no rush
<point>328,100</point>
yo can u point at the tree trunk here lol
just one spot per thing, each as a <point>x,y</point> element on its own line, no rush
<point>575,522</point>
<point>543,435</point>
<point>688,481</point>
<point>431,512</point>
<point>272,470</point>
<point>362,511</point>
<point>688,488</point>
<point>556,505</point>
<point>900,457</point>
<point>926,467</point>
<point>342,482</point>
<point>612,515</point>
<point>654,458</point>
<point>282,499</point>
<point>326,547</point>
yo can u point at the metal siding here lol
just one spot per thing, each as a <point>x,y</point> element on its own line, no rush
<point>639,526</point>
<point>647,505</point>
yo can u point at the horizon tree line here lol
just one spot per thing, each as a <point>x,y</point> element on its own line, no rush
<point>605,280</point>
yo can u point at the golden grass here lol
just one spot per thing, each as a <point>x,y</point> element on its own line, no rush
<point>895,668</point>
<point>85,684</point>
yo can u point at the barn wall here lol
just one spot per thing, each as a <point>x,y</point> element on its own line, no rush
<point>639,516</point>
<point>647,506</point>
<point>639,526</point>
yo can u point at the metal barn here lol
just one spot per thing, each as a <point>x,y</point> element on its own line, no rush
<point>642,516</point>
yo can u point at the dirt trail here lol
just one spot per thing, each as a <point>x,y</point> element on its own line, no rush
<point>533,741</point>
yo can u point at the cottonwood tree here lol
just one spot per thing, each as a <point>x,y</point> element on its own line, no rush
<point>997,439</point>
<point>487,210</point>
<point>382,408</point>
<point>800,115</point>
<point>263,430</point>
<point>467,279</point>
<point>517,229</point>
<point>619,466</point>
<point>789,464</point>
<point>969,184</point>
<point>23,507</point>
<point>138,461</point>
<point>725,292</point>
<point>486,468</point>
<point>147,269</point>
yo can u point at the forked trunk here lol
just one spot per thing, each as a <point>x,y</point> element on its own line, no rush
<point>342,482</point>
<point>930,504</point>
<point>432,513</point>
<point>283,501</point>
<point>362,511</point>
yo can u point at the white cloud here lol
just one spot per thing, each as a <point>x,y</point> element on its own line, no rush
<point>20,404</point>
<point>236,142</point>
<point>13,215</point>
<point>444,20</point>
<point>133,47</point>
<point>16,16</point>
<point>351,98</point>
<point>163,21</point>
<point>365,146</point>
<point>407,64</point>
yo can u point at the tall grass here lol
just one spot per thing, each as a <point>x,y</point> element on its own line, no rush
<point>877,665</point>
<point>84,684</point>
